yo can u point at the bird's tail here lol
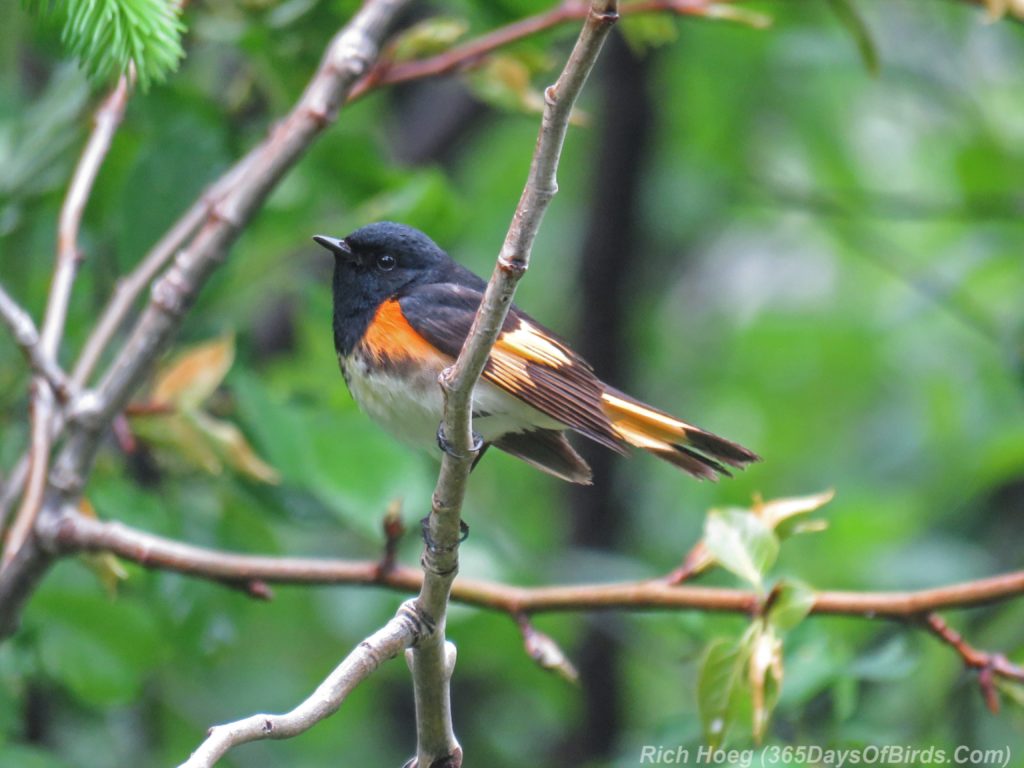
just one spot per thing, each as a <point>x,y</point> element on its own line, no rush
<point>700,453</point>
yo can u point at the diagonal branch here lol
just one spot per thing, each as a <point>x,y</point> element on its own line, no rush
<point>26,336</point>
<point>384,644</point>
<point>990,666</point>
<point>129,288</point>
<point>347,57</point>
<point>430,665</point>
<point>108,118</point>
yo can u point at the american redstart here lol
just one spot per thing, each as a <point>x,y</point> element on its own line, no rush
<point>402,310</point>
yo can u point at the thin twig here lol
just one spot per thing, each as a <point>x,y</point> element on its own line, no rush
<point>386,643</point>
<point>26,336</point>
<point>989,665</point>
<point>473,52</point>
<point>108,118</point>
<point>126,293</point>
<point>347,58</point>
<point>11,487</point>
<point>349,55</point>
<point>436,742</point>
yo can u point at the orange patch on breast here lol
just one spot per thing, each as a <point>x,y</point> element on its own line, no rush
<point>390,337</point>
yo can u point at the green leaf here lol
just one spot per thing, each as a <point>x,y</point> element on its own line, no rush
<point>890,663</point>
<point>720,684</point>
<point>786,516</point>
<point>428,37</point>
<point>353,466</point>
<point>794,602</point>
<point>648,31</point>
<point>109,36</point>
<point>102,651</point>
<point>851,19</point>
<point>741,542</point>
<point>1012,690</point>
<point>504,81</point>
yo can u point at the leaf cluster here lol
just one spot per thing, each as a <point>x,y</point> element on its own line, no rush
<point>114,37</point>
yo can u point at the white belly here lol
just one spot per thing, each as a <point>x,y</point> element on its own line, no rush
<point>411,406</point>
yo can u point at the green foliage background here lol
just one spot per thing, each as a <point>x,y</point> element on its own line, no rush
<point>831,274</point>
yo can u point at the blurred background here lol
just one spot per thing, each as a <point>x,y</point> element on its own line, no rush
<point>807,238</point>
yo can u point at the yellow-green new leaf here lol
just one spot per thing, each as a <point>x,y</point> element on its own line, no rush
<point>428,37</point>
<point>792,604</point>
<point>1012,690</point>
<point>781,515</point>
<point>741,542</point>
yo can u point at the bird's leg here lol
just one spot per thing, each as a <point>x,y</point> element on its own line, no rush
<point>479,455</point>
<point>476,449</point>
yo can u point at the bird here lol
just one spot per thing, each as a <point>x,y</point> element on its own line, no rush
<point>402,310</point>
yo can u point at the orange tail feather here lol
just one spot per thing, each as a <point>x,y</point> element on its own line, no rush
<point>701,453</point>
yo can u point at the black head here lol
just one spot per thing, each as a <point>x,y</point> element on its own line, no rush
<point>375,263</point>
<point>385,257</point>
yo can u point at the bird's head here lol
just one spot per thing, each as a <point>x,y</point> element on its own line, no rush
<point>381,259</point>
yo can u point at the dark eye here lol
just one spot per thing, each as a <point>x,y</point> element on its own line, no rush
<point>385,262</point>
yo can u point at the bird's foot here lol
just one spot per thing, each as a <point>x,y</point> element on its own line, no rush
<point>432,545</point>
<point>446,446</point>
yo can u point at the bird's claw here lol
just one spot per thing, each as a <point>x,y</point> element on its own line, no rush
<point>446,446</point>
<point>432,545</point>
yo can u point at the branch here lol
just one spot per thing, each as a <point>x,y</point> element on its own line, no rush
<point>470,54</point>
<point>348,57</point>
<point>430,668</point>
<point>386,643</point>
<point>20,324</point>
<point>989,665</point>
<point>116,311</point>
<point>108,118</point>
<point>76,533</point>
<point>129,288</point>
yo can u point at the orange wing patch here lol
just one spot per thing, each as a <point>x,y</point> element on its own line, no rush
<point>531,343</point>
<point>548,376</point>
<point>389,337</point>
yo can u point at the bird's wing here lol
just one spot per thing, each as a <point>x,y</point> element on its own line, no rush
<point>528,361</point>
<point>533,364</point>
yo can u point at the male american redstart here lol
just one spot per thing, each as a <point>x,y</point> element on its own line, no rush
<point>402,310</point>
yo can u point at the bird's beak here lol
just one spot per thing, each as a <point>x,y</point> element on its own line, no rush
<point>336,246</point>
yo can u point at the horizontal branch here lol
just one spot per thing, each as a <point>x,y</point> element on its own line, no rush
<point>80,534</point>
